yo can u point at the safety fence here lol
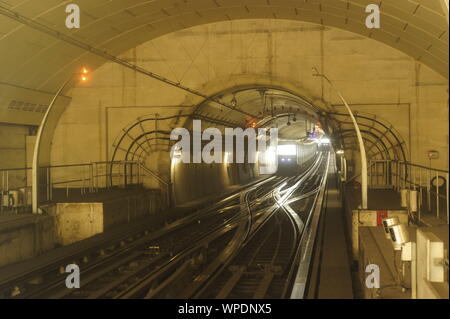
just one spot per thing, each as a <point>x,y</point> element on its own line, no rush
<point>423,189</point>
<point>59,182</point>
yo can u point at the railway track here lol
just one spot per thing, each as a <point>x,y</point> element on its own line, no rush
<point>143,247</point>
<point>242,247</point>
<point>264,266</point>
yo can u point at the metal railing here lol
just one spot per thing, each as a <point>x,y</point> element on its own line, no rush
<point>92,177</point>
<point>380,174</point>
<point>431,184</point>
<point>62,181</point>
<point>166,188</point>
<point>15,188</point>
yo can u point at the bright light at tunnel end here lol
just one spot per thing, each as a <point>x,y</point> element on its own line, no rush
<point>287,149</point>
<point>323,140</point>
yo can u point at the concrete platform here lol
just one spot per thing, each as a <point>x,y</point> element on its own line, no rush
<point>389,199</point>
<point>24,236</point>
<point>82,216</point>
<point>378,199</point>
<point>376,249</point>
<point>334,279</point>
<point>370,246</point>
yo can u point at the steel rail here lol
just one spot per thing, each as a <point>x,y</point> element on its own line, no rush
<point>271,210</point>
<point>55,263</point>
<point>208,237</point>
<point>304,252</point>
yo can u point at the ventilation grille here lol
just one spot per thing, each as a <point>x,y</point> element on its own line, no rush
<point>27,106</point>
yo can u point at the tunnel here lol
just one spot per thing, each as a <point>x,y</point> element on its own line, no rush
<point>224,149</point>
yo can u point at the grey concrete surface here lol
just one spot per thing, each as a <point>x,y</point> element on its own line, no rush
<point>335,273</point>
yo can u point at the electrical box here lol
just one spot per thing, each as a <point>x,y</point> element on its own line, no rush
<point>432,262</point>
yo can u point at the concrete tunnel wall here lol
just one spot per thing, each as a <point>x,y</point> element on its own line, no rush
<point>196,181</point>
<point>373,77</point>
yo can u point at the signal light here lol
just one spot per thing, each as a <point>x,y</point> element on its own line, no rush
<point>84,74</point>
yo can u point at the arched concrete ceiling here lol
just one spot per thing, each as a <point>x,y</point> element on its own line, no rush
<point>34,60</point>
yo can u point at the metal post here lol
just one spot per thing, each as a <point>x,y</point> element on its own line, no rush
<point>362,150</point>
<point>109,181</point>
<point>397,186</point>
<point>120,176</point>
<point>139,173</point>
<point>83,183</point>
<point>124,174</point>
<point>437,194</point>
<point>420,194</point>
<point>94,177</point>
<point>394,174</point>
<point>400,178</point>
<point>386,173</point>
<point>408,174</point>
<point>91,178</point>
<point>429,191</point>
<point>3,192</point>
<point>382,174</point>
<point>48,183</point>
<point>408,177</point>
<point>51,184</point>
<point>446,196</point>
<point>413,271</point>
<point>345,169</point>
<point>97,178</point>
<point>37,146</point>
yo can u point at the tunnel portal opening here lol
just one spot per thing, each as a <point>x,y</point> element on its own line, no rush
<point>147,139</point>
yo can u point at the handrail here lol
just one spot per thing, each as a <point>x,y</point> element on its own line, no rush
<point>421,166</point>
<point>416,180</point>
<point>88,177</point>
<point>150,172</point>
<point>167,185</point>
<point>14,169</point>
